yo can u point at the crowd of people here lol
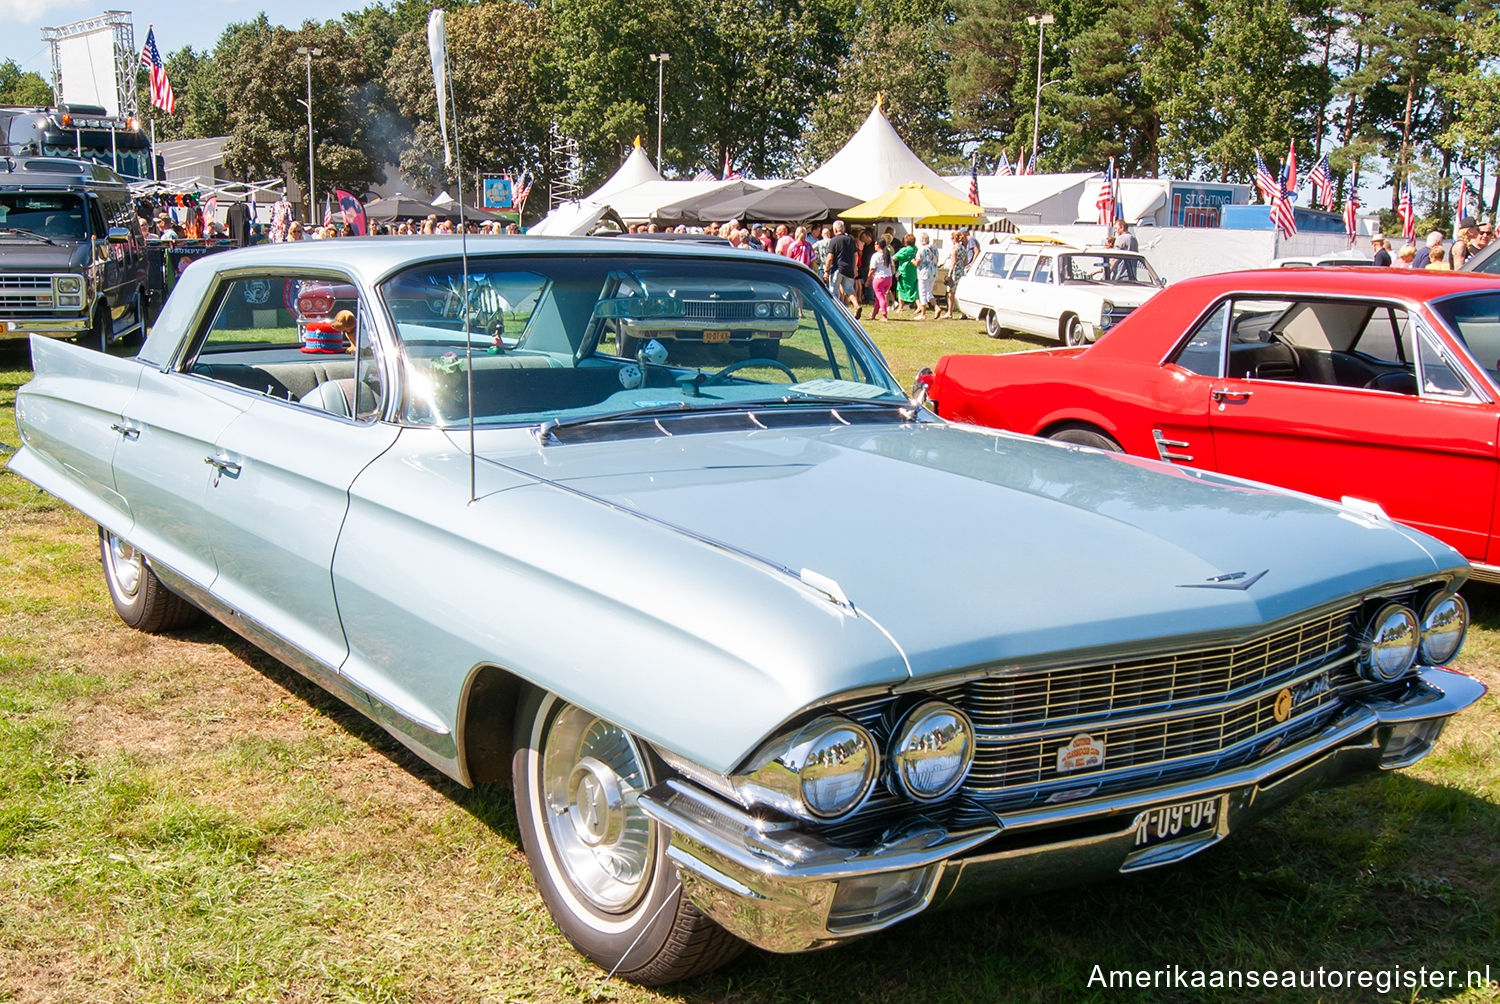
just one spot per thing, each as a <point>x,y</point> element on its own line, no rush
<point>1433,253</point>
<point>859,266</point>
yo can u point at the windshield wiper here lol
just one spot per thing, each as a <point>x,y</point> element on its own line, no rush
<point>28,233</point>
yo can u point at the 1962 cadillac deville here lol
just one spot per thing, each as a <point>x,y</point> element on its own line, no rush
<point>662,594</point>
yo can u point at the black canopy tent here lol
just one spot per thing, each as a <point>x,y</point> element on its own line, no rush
<point>791,201</point>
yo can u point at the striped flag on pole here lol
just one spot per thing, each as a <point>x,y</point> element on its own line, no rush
<point>1407,212</point>
<point>1105,203</point>
<point>161,87</point>
<point>1004,170</point>
<point>974,178</point>
<point>1265,181</point>
<point>1322,183</point>
<point>1351,217</point>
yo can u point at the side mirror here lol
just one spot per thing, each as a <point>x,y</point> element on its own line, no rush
<point>117,235</point>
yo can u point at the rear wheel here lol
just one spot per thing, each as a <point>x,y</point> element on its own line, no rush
<point>1081,435</point>
<point>139,597</point>
<point>599,862</point>
<point>992,325</point>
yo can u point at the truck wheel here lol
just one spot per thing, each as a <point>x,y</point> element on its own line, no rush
<point>599,862</point>
<point>140,598</point>
<point>97,336</point>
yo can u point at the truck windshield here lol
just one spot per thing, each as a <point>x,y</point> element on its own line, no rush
<point>58,215</point>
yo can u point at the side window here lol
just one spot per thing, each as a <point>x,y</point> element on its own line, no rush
<point>1381,337</point>
<point>1438,378</point>
<point>1024,264</point>
<point>1043,271</point>
<point>304,341</point>
<point>1200,353</point>
<point>993,264</point>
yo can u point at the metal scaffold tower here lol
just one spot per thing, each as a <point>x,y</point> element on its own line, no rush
<point>126,57</point>
<point>565,183</point>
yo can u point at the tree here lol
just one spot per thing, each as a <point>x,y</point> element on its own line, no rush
<point>23,87</point>
<point>497,54</point>
<point>260,68</point>
<point>201,105</point>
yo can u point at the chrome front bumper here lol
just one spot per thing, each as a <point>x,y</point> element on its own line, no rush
<point>23,327</point>
<point>786,891</point>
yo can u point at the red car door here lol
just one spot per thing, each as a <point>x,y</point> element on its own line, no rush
<point>1427,455</point>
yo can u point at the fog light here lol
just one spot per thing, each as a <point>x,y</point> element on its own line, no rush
<point>873,899</point>
<point>1410,742</point>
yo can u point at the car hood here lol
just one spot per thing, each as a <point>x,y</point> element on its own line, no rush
<point>971,547</point>
<point>31,255</point>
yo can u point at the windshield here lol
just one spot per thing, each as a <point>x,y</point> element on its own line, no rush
<point>1475,319</point>
<point>58,215</point>
<point>1120,270</point>
<point>576,338</point>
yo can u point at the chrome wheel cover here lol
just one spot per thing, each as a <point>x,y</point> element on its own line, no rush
<point>992,325</point>
<point>123,564</point>
<point>591,777</point>
<point>1074,335</point>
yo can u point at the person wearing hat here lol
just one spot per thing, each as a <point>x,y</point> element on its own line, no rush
<point>1382,253</point>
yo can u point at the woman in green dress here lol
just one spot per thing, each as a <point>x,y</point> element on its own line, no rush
<point>906,271</point>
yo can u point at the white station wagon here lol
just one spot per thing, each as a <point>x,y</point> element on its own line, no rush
<point>1048,288</point>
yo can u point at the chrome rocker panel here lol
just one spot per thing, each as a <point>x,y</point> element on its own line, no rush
<point>786,891</point>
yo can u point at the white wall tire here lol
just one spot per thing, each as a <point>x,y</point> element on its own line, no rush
<point>600,863</point>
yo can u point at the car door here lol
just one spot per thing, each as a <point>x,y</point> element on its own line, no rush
<point>1373,410</point>
<point>1010,301</point>
<point>282,469</point>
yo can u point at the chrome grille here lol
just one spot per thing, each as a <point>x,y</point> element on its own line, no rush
<point>1067,694</point>
<point>26,292</point>
<point>1116,315</point>
<point>714,310</point>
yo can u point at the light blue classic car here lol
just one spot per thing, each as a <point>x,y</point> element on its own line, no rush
<point>628,526</point>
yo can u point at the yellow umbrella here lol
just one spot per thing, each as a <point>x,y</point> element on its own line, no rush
<point>916,202</point>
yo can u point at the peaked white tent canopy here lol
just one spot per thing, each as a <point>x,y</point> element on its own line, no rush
<point>637,170</point>
<point>875,160</point>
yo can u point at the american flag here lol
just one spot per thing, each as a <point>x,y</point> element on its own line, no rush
<point>1407,212</point>
<point>161,87</point>
<point>974,178</point>
<point>1265,181</point>
<point>705,175</point>
<point>1461,208</point>
<point>1004,170</point>
<point>1105,203</point>
<point>730,174</point>
<point>521,188</point>
<point>1351,213</point>
<point>1322,184</point>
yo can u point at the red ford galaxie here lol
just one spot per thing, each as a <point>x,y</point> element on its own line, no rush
<point>1377,387</point>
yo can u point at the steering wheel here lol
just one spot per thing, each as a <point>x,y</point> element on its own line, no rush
<point>718,377</point>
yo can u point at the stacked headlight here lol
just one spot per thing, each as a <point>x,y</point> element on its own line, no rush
<point>1445,621</point>
<point>932,751</point>
<point>68,289</point>
<point>822,771</point>
<point>1391,642</point>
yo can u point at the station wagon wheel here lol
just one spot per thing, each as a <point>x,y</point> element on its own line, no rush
<point>139,597</point>
<point>600,863</point>
<point>992,324</point>
<point>1073,331</point>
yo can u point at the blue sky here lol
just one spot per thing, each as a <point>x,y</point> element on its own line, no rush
<point>178,22</point>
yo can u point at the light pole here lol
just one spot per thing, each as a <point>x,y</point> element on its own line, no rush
<point>312,200</point>
<point>1041,21</point>
<point>660,59</point>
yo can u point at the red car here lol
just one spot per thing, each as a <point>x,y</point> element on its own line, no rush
<point>1369,385</point>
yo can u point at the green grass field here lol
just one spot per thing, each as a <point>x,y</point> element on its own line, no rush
<point>182,819</point>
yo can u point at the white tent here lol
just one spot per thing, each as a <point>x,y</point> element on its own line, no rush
<point>875,160</point>
<point>637,170</point>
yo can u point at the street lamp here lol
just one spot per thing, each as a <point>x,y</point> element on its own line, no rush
<point>660,59</point>
<point>1041,21</point>
<point>312,202</point>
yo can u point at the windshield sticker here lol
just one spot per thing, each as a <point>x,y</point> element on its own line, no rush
<point>825,387</point>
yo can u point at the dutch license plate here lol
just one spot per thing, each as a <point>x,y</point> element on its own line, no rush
<point>715,337</point>
<point>1169,822</point>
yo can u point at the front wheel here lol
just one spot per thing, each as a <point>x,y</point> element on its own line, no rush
<point>139,597</point>
<point>599,862</point>
<point>1073,333</point>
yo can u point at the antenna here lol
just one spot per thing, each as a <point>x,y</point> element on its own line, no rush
<point>437,44</point>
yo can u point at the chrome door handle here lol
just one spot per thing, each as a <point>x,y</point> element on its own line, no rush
<point>222,468</point>
<point>126,430</point>
<point>1221,395</point>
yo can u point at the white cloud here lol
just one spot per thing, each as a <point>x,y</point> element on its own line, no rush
<point>42,12</point>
